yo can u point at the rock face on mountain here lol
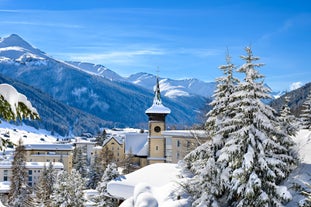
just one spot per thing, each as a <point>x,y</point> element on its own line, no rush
<point>114,100</point>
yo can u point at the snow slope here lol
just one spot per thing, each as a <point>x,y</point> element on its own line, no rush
<point>28,134</point>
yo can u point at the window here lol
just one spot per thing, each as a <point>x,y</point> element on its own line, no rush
<point>29,172</point>
<point>188,144</point>
<point>157,147</point>
<point>178,143</point>
<point>5,175</point>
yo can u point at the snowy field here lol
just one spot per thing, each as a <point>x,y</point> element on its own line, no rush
<point>28,134</point>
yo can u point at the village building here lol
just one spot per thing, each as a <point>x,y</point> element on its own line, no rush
<point>86,146</point>
<point>50,153</point>
<point>34,170</point>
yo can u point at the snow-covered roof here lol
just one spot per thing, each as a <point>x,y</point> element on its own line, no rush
<point>79,140</point>
<point>118,139</point>
<point>144,151</point>
<point>5,187</point>
<point>136,143</point>
<point>31,165</point>
<point>185,133</point>
<point>156,175</point>
<point>158,109</point>
<point>40,165</point>
<point>57,147</point>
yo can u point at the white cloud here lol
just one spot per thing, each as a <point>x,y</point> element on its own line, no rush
<point>125,57</point>
<point>295,85</point>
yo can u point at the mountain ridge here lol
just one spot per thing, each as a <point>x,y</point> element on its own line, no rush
<point>116,101</point>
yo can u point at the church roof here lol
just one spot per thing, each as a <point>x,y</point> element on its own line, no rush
<point>158,109</point>
<point>157,106</point>
<point>136,143</point>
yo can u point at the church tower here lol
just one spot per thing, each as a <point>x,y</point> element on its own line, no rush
<point>157,113</point>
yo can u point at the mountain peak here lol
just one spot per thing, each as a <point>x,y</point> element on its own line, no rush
<point>15,40</point>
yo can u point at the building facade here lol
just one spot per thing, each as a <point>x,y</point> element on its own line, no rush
<point>50,153</point>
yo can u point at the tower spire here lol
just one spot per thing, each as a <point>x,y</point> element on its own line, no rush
<point>157,94</point>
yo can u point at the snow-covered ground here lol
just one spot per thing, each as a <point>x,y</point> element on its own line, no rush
<point>156,182</point>
<point>160,181</point>
<point>301,175</point>
<point>28,134</point>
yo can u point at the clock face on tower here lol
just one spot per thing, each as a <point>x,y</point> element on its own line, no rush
<point>157,129</point>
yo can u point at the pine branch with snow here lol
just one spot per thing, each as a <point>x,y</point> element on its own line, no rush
<point>13,106</point>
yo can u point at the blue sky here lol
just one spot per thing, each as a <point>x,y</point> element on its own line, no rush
<point>185,39</point>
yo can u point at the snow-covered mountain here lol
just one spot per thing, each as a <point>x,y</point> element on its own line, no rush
<point>98,70</point>
<point>109,97</point>
<point>175,88</point>
<point>169,87</point>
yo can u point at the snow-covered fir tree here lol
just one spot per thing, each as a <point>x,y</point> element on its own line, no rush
<point>103,199</point>
<point>206,183</point>
<point>44,188</point>
<point>68,190</point>
<point>258,155</point>
<point>306,113</point>
<point>19,190</point>
<point>288,121</point>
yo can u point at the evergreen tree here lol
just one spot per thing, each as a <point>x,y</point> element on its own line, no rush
<point>44,188</point>
<point>80,162</point>
<point>288,121</point>
<point>101,138</point>
<point>127,163</point>
<point>19,192</point>
<point>206,184</point>
<point>257,154</point>
<point>103,199</point>
<point>95,173</point>
<point>306,113</point>
<point>68,190</point>
<point>220,111</point>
